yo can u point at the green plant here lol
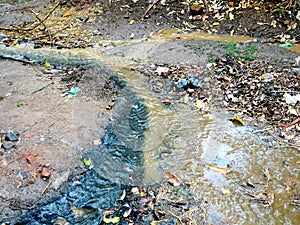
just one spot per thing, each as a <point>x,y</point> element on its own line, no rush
<point>249,52</point>
<point>211,57</point>
<point>280,10</point>
<point>232,49</point>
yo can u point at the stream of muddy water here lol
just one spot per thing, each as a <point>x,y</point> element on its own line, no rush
<point>180,141</point>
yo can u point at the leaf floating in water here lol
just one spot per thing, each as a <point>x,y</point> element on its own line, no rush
<point>225,191</point>
<point>122,196</point>
<point>88,162</point>
<point>47,64</point>
<point>112,220</point>
<point>218,169</point>
<point>237,121</point>
<point>172,179</point>
<point>80,212</point>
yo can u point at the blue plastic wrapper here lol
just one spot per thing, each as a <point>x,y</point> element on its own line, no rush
<point>182,83</point>
<point>73,92</point>
<point>195,82</point>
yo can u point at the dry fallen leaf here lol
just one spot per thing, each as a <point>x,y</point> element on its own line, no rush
<point>172,179</point>
<point>225,191</point>
<point>218,169</point>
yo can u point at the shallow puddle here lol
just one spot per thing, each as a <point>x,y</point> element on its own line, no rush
<point>184,143</point>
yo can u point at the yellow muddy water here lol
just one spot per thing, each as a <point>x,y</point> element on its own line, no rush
<point>184,142</point>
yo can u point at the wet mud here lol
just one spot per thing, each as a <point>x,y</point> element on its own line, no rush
<point>119,137</point>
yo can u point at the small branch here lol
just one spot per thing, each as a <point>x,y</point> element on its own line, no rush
<point>177,217</point>
<point>42,22</point>
<point>45,189</point>
<point>261,131</point>
<point>149,8</point>
<point>17,59</point>
<point>292,123</point>
<point>35,26</point>
<point>42,88</point>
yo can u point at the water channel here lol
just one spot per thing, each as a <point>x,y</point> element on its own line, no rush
<point>144,129</point>
<point>191,141</point>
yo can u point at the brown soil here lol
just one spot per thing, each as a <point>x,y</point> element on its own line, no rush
<point>53,130</point>
<point>48,127</point>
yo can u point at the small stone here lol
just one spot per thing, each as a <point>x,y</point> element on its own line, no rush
<point>97,142</point>
<point>7,145</point>
<point>12,136</point>
<point>31,157</point>
<point>47,165</point>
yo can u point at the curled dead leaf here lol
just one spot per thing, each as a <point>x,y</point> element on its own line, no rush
<point>218,169</point>
<point>172,179</point>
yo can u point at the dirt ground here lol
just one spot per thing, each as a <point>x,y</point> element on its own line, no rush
<point>49,124</point>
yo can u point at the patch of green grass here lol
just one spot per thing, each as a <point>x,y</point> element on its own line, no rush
<point>239,52</point>
<point>211,57</point>
<point>236,50</point>
<point>249,52</point>
<point>232,49</point>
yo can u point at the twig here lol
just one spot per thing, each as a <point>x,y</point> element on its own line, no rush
<point>16,59</point>
<point>263,130</point>
<point>40,73</point>
<point>42,88</point>
<point>149,8</point>
<point>38,24</point>
<point>177,217</point>
<point>42,22</point>
<point>50,182</point>
<point>292,123</point>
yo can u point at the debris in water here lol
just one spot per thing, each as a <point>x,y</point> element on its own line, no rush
<point>237,121</point>
<point>286,44</point>
<point>172,179</point>
<point>112,220</point>
<point>218,169</point>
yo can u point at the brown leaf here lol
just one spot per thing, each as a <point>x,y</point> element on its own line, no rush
<point>218,169</point>
<point>172,179</point>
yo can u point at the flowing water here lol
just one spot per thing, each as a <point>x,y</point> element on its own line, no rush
<point>150,139</point>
